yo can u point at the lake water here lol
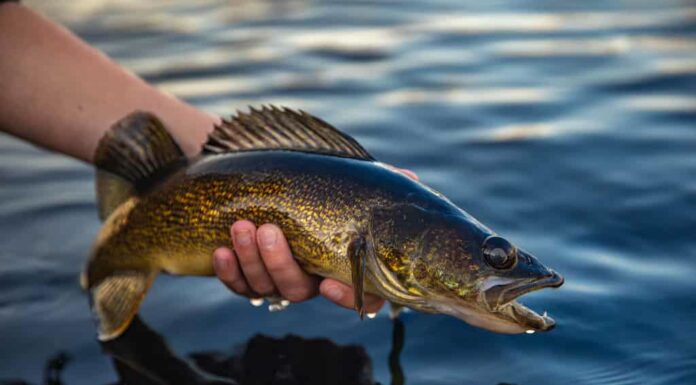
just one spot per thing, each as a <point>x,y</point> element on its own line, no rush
<point>568,127</point>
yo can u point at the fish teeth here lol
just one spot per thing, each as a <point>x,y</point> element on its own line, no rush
<point>546,315</point>
<point>371,315</point>
<point>256,302</point>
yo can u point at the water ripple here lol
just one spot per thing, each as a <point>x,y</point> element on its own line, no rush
<point>567,127</point>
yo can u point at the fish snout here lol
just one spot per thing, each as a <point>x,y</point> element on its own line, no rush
<point>554,279</point>
<point>510,289</point>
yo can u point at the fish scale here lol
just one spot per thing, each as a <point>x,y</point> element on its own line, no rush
<point>345,216</point>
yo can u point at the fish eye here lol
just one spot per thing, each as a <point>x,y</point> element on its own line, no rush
<point>499,253</point>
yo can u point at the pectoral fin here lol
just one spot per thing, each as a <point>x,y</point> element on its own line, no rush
<point>116,299</point>
<point>356,255</point>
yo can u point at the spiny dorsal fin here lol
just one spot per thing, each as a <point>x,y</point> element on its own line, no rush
<point>132,155</point>
<point>273,128</point>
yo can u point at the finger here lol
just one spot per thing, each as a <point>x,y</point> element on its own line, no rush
<point>227,270</point>
<point>342,295</point>
<point>244,240</point>
<point>408,173</point>
<point>292,282</point>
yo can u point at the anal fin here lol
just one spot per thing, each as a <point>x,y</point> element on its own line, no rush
<point>116,299</point>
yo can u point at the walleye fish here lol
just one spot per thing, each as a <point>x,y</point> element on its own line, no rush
<point>345,216</point>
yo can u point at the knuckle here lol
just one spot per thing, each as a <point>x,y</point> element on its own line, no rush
<point>264,288</point>
<point>277,265</point>
<point>245,250</point>
<point>228,279</point>
<point>232,279</point>
<point>245,256</point>
<point>228,276</point>
<point>297,294</point>
<point>237,285</point>
<point>253,269</point>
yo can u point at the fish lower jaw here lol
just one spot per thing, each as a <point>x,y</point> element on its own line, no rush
<point>527,317</point>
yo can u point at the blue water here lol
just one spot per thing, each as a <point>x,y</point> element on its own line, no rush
<point>568,127</point>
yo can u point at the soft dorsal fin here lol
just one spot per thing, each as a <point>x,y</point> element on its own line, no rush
<point>273,128</point>
<point>132,155</point>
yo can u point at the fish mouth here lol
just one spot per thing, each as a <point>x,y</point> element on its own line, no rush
<point>501,299</point>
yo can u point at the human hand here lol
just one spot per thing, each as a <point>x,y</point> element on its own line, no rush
<point>260,264</point>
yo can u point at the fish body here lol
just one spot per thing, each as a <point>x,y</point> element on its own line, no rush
<point>345,216</point>
<point>319,201</point>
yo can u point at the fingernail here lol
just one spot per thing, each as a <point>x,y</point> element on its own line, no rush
<point>334,293</point>
<point>242,238</point>
<point>267,237</point>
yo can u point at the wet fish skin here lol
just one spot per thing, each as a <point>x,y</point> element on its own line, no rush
<point>345,216</point>
<point>318,201</point>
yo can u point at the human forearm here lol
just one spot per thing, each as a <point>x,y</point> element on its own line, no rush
<point>60,93</point>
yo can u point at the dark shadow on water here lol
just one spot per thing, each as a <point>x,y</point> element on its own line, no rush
<point>398,338</point>
<point>142,356</point>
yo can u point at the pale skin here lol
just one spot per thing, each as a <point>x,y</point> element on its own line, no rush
<point>58,92</point>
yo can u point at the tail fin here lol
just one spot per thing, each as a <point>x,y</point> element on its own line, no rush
<point>116,299</point>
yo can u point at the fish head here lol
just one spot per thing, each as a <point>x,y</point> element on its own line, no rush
<point>452,264</point>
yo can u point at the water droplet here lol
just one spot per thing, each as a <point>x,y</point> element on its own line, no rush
<point>371,315</point>
<point>256,302</point>
<point>530,331</point>
<point>277,304</point>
